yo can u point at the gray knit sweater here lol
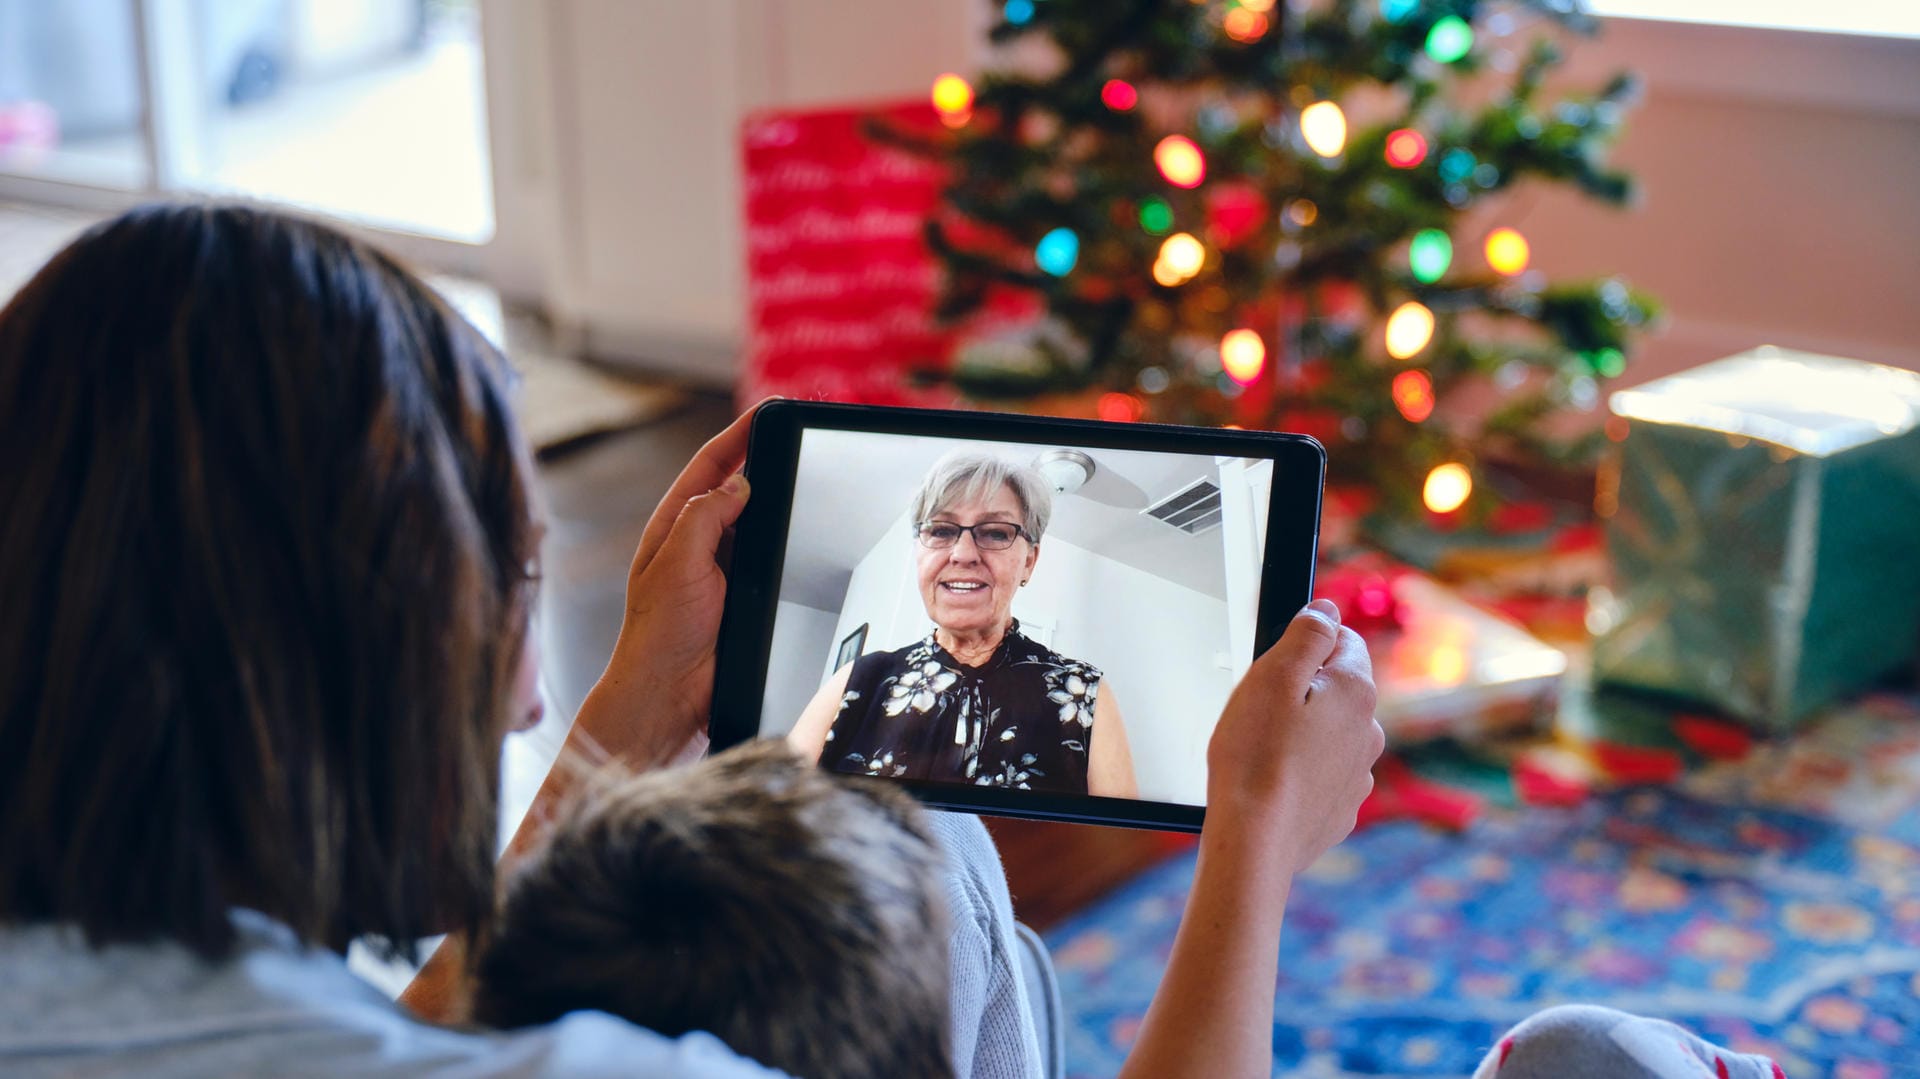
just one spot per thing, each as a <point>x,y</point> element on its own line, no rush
<point>279,1009</point>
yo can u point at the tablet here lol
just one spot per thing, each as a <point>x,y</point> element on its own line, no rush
<point>1005,614</point>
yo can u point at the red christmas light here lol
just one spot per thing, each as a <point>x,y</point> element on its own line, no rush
<point>1119,95</point>
<point>1406,148</point>
<point>1235,211</point>
<point>1119,407</point>
<point>1413,395</point>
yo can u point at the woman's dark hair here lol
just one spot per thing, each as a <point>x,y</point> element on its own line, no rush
<point>264,550</point>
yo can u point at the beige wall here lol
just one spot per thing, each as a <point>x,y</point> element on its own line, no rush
<point>1780,175</point>
<point>1780,171</point>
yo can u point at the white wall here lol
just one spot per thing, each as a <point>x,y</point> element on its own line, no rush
<point>648,105</point>
<point>882,592</point>
<point>1162,646</point>
<point>798,630</point>
<point>1779,170</point>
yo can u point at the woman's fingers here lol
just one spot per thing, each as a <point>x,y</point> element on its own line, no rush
<point>1349,667</point>
<point>721,457</point>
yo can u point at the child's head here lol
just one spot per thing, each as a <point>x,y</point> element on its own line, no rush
<point>794,914</point>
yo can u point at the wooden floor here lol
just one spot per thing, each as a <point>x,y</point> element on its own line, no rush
<point>598,497</point>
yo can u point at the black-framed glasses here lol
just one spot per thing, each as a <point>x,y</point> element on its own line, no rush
<point>987,535</point>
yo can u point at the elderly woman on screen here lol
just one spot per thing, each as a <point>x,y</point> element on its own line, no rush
<point>975,701</point>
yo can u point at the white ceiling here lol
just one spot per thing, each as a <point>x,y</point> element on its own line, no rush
<point>852,486</point>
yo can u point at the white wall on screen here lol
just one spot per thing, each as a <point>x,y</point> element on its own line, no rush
<point>1245,492</point>
<point>882,592</point>
<point>1156,641</point>
<point>798,631</point>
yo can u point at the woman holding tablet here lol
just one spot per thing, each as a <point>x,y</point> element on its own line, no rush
<point>976,701</point>
<point>266,558</point>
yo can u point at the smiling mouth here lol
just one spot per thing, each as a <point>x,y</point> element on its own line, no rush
<point>963,588</point>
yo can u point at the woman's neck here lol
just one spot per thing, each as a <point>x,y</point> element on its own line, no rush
<point>971,649</point>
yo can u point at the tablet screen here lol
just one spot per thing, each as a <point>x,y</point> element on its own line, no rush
<point>1053,617</point>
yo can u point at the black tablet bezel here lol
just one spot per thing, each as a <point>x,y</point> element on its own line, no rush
<point>760,548</point>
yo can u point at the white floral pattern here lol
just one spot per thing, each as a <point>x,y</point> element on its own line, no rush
<point>920,689</point>
<point>1023,720</point>
<point>1071,686</point>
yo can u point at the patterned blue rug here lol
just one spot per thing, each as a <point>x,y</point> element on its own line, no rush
<point>1772,905</point>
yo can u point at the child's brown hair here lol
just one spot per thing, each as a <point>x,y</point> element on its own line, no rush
<point>793,914</point>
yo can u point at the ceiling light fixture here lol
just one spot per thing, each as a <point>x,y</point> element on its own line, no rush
<point>1066,470</point>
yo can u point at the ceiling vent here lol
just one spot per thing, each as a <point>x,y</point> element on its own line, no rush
<point>1192,509</point>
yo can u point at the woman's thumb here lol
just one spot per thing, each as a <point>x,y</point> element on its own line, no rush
<point>1308,643</point>
<point>705,519</point>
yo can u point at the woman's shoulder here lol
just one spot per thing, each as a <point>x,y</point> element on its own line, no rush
<point>277,1007</point>
<point>1062,665</point>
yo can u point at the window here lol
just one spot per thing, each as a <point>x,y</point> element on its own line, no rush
<point>1873,17</point>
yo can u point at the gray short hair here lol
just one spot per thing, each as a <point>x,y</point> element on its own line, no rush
<point>971,476</point>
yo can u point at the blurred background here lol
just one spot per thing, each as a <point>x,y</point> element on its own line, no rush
<point>662,210</point>
<point>583,156</point>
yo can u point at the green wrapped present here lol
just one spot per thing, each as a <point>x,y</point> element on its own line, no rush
<point>1763,521</point>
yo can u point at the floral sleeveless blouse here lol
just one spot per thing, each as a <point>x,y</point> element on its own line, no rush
<point>1021,720</point>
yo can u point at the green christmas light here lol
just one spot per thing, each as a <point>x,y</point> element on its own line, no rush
<point>1429,255</point>
<point>1449,40</point>
<point>1156,216</point>
<point>1606,362</point>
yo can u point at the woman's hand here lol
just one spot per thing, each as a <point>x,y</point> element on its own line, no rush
<point>1293,753</point>
<point>1288,766</point>
<point>651,704</point>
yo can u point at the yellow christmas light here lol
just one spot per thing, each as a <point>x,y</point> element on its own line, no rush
<point>1242,355</point>
<point>1181,256</point>
<point>1259,7</point>
<point>951,94</point>
<point>1324,127</point>
<point>1507,251</point>
<point>1409,329</point>
<point>1447,488</point>
<point>1180,161</point>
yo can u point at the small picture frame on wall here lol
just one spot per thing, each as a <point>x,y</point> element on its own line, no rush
<point>851,646</point>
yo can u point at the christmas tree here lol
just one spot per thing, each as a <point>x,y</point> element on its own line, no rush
<point>1249,212</point>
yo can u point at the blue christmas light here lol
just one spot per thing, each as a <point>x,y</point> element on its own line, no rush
<point>1018,12</point>
<point>1057,251</point>
<point>1398,10</point>
<point>1456,165</point>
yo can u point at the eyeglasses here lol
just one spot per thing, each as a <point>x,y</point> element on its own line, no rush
<point>987,535</point>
